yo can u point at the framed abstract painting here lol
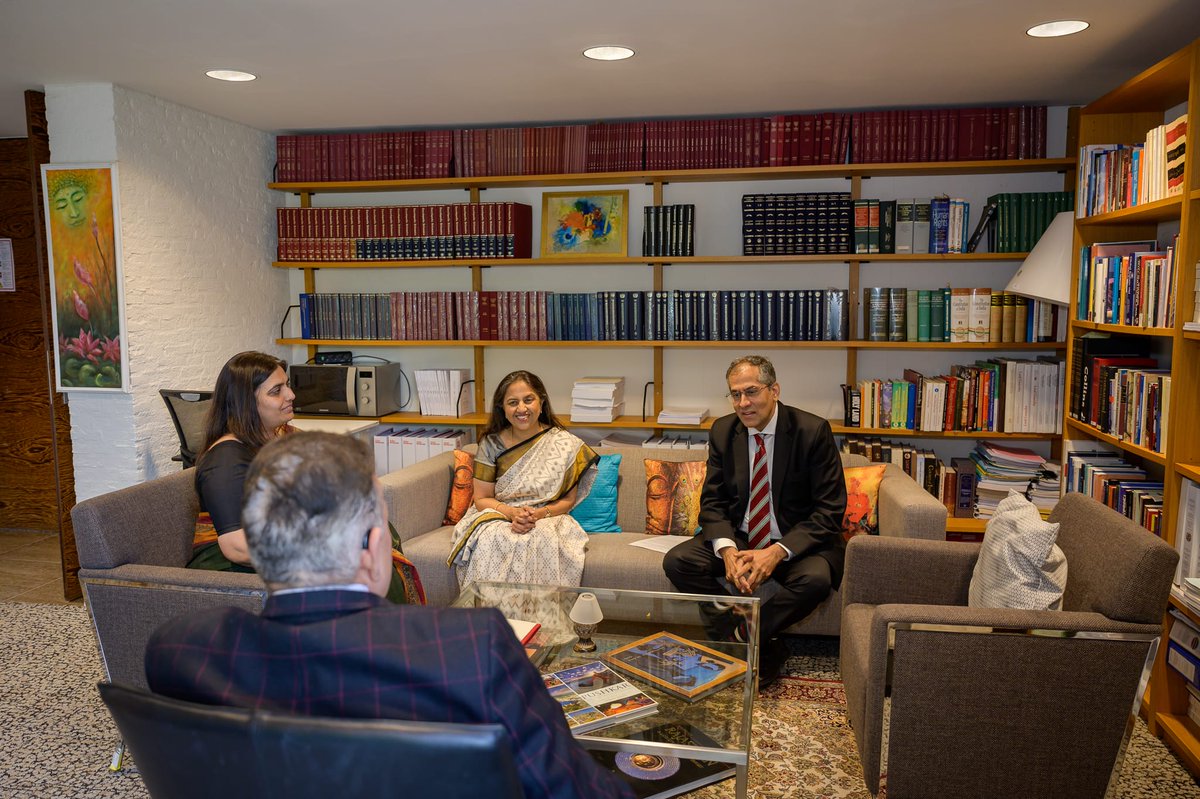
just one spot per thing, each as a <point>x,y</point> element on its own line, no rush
<point>584,225</point>
<point>83,234</point>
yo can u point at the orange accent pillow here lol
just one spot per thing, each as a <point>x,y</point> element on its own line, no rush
<point>673,496</point>
<point>862,500</point>
<point>462,488</point>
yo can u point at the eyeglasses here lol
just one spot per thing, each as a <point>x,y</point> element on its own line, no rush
<point>750,393</point>
<point>367,540</point>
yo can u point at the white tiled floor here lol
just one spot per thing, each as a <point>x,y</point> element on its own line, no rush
<point>30,569</point>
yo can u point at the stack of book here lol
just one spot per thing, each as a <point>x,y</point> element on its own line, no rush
<point>597,399</point>
<point>681,415</point>
<point>1000,469</point>
<point>1047,488</point>
<point>444,392</point>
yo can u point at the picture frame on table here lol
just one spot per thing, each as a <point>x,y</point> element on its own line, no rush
<point>83,233</point>
<point>585,224</point>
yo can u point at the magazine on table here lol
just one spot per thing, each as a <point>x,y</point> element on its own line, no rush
<point>678,666</point>
<point>661,776</point>
<point>593,696</point>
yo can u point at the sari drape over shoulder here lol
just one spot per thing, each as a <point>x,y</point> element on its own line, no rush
<point>532,474</point>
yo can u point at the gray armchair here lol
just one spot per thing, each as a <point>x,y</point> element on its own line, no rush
<point>947,700</point>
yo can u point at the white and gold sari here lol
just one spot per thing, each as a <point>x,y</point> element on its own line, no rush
<point>532,474</point>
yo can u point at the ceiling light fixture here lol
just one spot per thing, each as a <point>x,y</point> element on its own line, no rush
<point>234,75</point>
<point>608,53</point>
<point>1063,27</point>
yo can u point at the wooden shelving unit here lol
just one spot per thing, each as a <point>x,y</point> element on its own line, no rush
<point>1123,116</point>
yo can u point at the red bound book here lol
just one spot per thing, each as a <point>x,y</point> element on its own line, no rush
<point>856,137</point>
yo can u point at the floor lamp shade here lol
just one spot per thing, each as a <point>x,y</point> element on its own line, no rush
<point>1046,272</point>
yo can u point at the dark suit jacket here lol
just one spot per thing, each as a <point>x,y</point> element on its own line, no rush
<point>351,654</point>
<point>808,488</point>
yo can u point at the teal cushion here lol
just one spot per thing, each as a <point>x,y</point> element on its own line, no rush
<point>598,511</point>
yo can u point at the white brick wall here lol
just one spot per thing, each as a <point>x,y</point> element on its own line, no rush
<point>198,231</point>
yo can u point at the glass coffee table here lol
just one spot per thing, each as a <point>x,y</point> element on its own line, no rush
<point>709,731</point>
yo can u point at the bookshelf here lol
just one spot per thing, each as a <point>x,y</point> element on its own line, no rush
<point>1123,116</point>
<point>851,271</point>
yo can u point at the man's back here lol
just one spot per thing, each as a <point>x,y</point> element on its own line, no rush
<point>345,653</point>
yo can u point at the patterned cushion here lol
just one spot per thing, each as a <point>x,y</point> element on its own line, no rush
<point>673,496</point>
<point>1019,564</point>
<point>862,500</point>
<point>597,513</point>
<point>462,489</point>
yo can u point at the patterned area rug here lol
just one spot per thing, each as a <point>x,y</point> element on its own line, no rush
<point>57,738</point>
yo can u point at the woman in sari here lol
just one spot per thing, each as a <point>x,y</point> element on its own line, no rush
<point>529,473</point>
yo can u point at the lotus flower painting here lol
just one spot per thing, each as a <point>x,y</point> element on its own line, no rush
<point>83,233</point>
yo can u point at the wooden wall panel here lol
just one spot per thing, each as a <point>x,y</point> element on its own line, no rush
<point>36,469</point>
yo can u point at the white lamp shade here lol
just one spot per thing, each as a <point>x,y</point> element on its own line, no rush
<point>1046,272</point>
<point>586,609</point>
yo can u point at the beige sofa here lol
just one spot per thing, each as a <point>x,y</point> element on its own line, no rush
<point>417,499</point>
<point>133,545</point>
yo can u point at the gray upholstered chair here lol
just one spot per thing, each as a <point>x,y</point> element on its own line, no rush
<point>186,750</point>
<point>947,700</point>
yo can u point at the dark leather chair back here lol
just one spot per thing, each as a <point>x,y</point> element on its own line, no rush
<point>185,750</point>
<point>188,410</point>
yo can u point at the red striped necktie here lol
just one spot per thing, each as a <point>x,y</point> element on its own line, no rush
<point>759,513</point>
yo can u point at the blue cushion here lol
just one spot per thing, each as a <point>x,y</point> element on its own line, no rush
<point>598,511</point>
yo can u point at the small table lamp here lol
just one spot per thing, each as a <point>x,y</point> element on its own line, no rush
<point>586,617</point>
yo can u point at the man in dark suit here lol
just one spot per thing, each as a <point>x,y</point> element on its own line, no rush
<point>328,644</point>
<point>772,506</point>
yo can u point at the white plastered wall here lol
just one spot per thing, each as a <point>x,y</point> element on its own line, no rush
<point>197,233</point>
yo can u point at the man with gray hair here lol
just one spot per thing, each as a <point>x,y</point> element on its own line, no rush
<point>772,505</point>
<point>328,644</point>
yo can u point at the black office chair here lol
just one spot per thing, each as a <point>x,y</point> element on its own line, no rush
<point>187,409</point>
<point>185,750</point>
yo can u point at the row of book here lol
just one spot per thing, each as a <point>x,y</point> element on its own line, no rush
<point>398,447</point>
<point>914,135</point>
<point>805,223</point>
<point>1020,218</point>
<point>952,484</point>
<point>1118,388</point>
<point>669,230</point>
<point>444,392</point>
<point>673,441</point>
<point>997,395</point>
<point>1116,176</point>
<point>1128,283</point>
<point>1107,477</point>
<point>936,225</point>
<point>684,315</point>
<point>406,232</point>
<point>959,315</point>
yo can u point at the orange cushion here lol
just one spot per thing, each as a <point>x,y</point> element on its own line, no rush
<point>462,489</point>
<point>862,500</point>
<point>673,496</point>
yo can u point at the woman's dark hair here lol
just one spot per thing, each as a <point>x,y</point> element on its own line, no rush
<point>498,421</point>
<point>234,408</point>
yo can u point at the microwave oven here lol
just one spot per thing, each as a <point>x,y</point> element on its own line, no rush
<point>346,389</point>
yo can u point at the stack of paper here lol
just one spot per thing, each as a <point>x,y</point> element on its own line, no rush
<point>1000,470</point>
<point>681,415</point>
<point>1047,488</point>
<point>444,392</point>
<point>597,399</point>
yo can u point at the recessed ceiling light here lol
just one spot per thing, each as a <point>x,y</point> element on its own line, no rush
<point>608,53</point>
<point>230,74</point>
<point>1063,27</point>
